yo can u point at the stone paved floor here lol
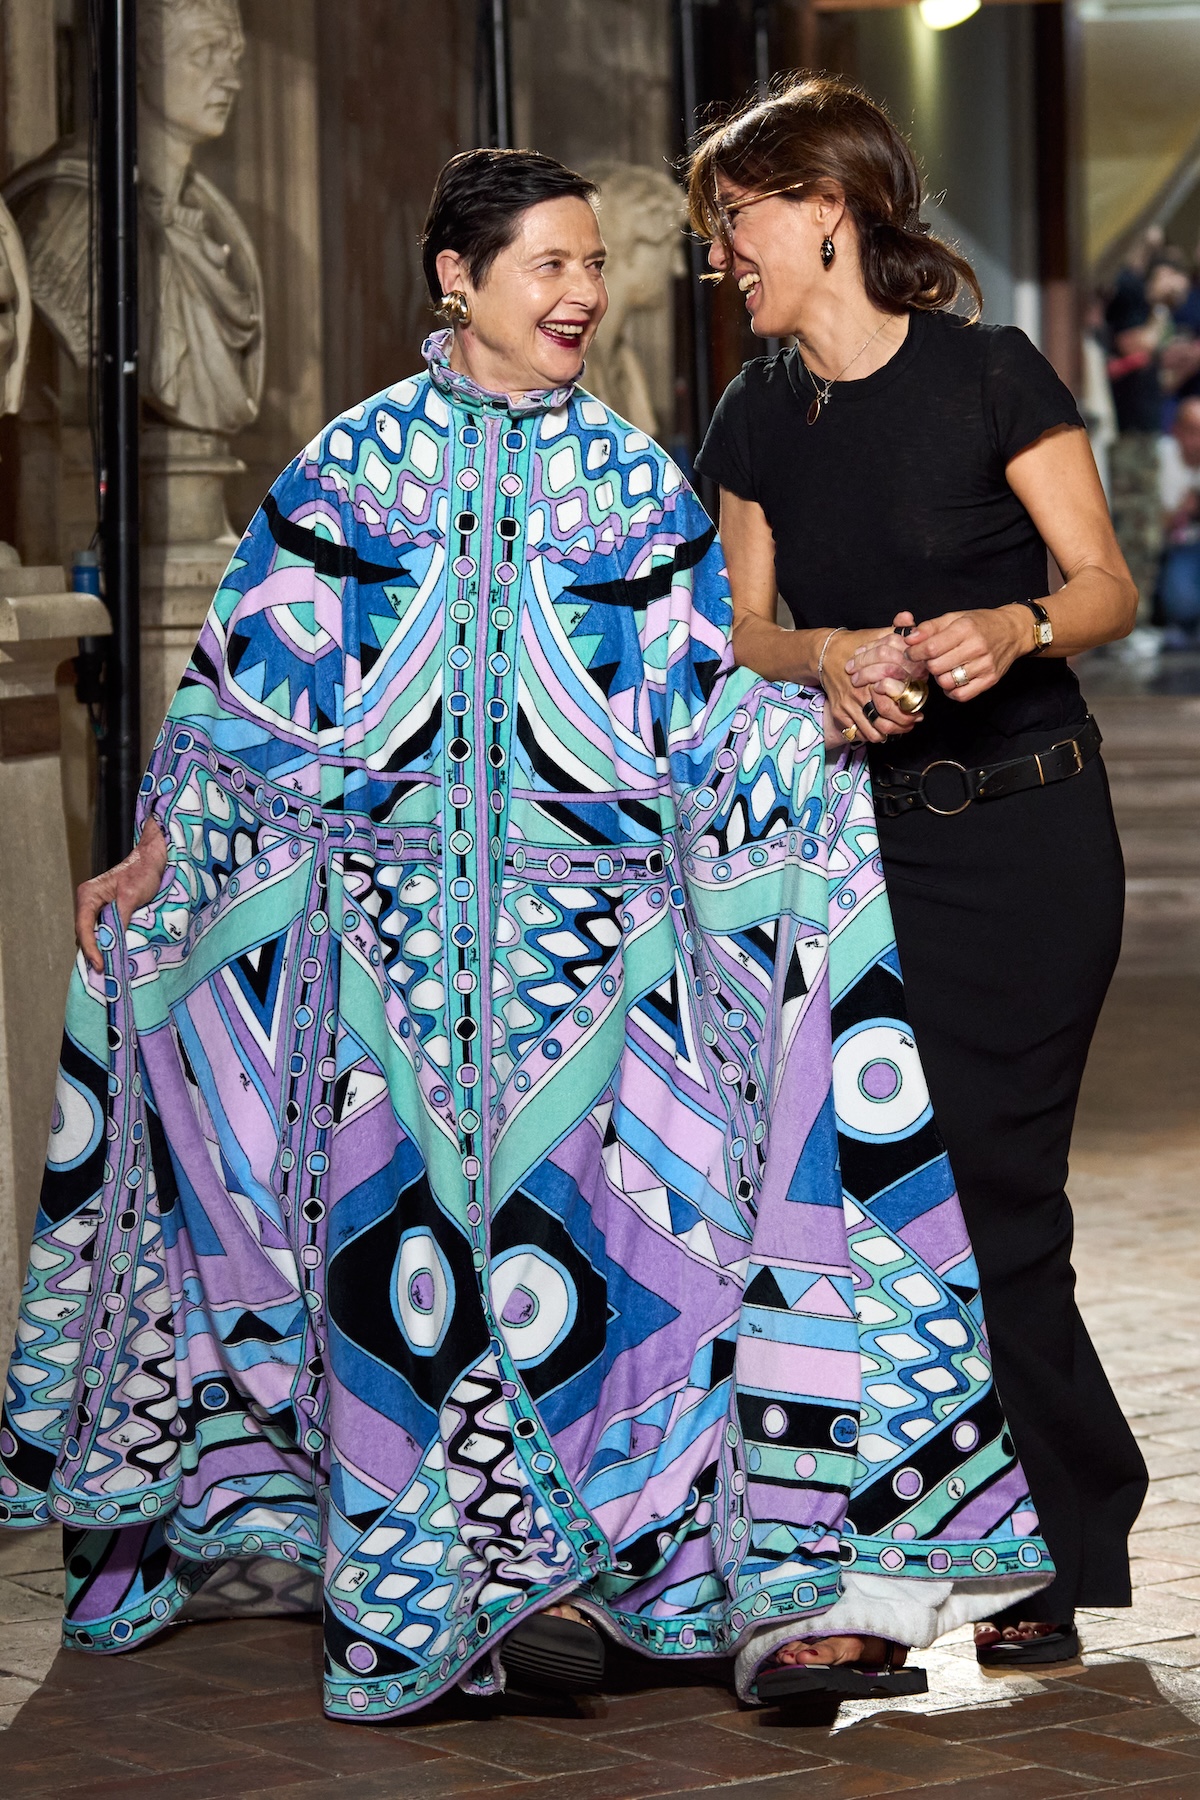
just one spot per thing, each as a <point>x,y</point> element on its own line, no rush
<point>231,1708</point>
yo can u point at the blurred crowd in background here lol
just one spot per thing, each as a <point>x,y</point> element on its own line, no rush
<point>1141,400</point>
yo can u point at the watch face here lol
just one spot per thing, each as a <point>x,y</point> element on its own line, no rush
<point>1043,632</point>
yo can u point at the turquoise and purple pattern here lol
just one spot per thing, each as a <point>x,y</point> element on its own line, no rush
<point>497,1165</point>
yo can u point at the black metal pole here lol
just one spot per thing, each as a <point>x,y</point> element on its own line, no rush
<point>115,24</point>
<point>762,46</point>
<point>494,75</point>
<point>690,106</point>
<point>502,75</point>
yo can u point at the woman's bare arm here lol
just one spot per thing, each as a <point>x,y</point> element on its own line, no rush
<point>1058,484</point>
<point>758,642</point>
<point>762,645</point>
<point>1055,479</point>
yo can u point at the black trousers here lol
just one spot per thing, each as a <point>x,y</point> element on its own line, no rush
<point>1008,923</point>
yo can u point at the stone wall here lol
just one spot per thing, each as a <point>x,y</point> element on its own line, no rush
<point>268,163</point>
<point>397,97</point>
<point>592,83</point>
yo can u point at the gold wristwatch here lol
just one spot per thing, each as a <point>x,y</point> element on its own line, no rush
<point>1043,630</point>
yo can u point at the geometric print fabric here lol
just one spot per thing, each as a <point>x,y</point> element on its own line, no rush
<point>498,1165</point>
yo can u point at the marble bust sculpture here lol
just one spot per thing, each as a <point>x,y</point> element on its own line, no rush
<point>641,215</point>
<point>201,300</point>
<point>16,313</point>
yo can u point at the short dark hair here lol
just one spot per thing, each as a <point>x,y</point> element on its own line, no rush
<point>477,200</point>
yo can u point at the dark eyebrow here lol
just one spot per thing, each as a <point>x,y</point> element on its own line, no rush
<point>534,255</point>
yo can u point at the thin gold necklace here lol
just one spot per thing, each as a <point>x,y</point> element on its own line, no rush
<point>825,388</point>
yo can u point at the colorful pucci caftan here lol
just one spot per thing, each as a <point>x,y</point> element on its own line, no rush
<point>497,1165</point>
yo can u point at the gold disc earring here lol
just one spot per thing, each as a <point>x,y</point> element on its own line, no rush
<point>455,308</point>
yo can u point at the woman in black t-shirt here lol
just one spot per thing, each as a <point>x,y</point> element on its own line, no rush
<point>901,466</point>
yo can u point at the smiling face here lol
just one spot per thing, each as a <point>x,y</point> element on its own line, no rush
<point>776,244</point>
<point>536,311</point>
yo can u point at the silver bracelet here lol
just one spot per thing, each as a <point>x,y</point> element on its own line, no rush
<point>824,648</point>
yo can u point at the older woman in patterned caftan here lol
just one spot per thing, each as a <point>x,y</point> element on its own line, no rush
<point>490,1166</point>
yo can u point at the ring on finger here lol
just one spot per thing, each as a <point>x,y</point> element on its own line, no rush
<point>959,676</point>
<point>850,733</point>
<point>870,712</point>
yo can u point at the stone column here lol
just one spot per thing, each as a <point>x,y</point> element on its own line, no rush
<point>186,543</point>
<point>40,624</point>
<point>30,102</point>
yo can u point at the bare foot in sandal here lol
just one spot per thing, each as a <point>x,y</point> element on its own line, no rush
<point>566,1611</point>
<point>834,1650</point>
<point>987,1634</point>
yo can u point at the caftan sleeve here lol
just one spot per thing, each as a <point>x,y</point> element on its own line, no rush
<point>246,780</point>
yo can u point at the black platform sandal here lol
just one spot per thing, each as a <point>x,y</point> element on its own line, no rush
<point>1058,1645</point>
<point>847,1681</point>
<point>554,1655</point>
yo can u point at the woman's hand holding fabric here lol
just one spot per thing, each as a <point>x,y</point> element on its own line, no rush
<point>130,884</point>
<point>983,644</point>
<point>875,670</point>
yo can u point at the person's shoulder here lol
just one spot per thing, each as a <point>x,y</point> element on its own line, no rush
<point>951,335</point>
<point>379,421</point>
<point>399,423</point>
<point>586,414</point>
<point>980,348</point>
<point>755,383</point>
<point>382,462</point>
<point>762,373</point>
<point>612,441</point>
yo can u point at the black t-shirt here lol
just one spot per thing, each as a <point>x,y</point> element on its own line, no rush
<point>896,500</point>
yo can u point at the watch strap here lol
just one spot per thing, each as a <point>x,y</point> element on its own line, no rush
<point>1043,628</point>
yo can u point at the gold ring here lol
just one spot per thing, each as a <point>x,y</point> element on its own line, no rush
<point>912,696</point>
<point>959,676</point>
<point>850,733</point>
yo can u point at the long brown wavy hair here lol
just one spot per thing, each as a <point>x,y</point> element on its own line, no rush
<point>827,136</point>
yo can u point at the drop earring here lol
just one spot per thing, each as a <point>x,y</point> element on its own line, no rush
<point>828,251</point>
<point>455,308</point>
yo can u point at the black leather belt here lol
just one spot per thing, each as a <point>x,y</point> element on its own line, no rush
<point>947,787</point>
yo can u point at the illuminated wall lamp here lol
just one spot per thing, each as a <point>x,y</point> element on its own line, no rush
<point>940,15</point>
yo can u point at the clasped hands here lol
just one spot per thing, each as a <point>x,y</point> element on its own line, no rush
<point>982,646</point>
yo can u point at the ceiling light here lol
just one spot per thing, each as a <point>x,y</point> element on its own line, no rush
<point>940,15</point>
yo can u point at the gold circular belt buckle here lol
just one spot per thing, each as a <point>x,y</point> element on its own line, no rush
<point>946,812</point>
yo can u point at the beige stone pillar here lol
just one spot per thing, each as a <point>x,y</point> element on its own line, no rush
<point>30,84</point>
<point>39,626</point>
<point>186,543</point>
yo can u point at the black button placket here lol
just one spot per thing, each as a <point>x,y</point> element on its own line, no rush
<point>490,477</point>
<point>489,482</point>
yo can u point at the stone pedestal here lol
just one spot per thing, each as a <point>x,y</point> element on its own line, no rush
<point>40,623</point>
<point>187,541</point>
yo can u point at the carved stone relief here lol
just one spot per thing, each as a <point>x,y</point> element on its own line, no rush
<point>201,306</point>
<point>201,349</point>
<point>16,316</point>
<point>641,216</point>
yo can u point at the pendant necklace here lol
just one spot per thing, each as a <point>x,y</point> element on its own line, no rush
<point>825,388</point>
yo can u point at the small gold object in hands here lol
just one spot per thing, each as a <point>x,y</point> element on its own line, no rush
<point>912,695</point>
